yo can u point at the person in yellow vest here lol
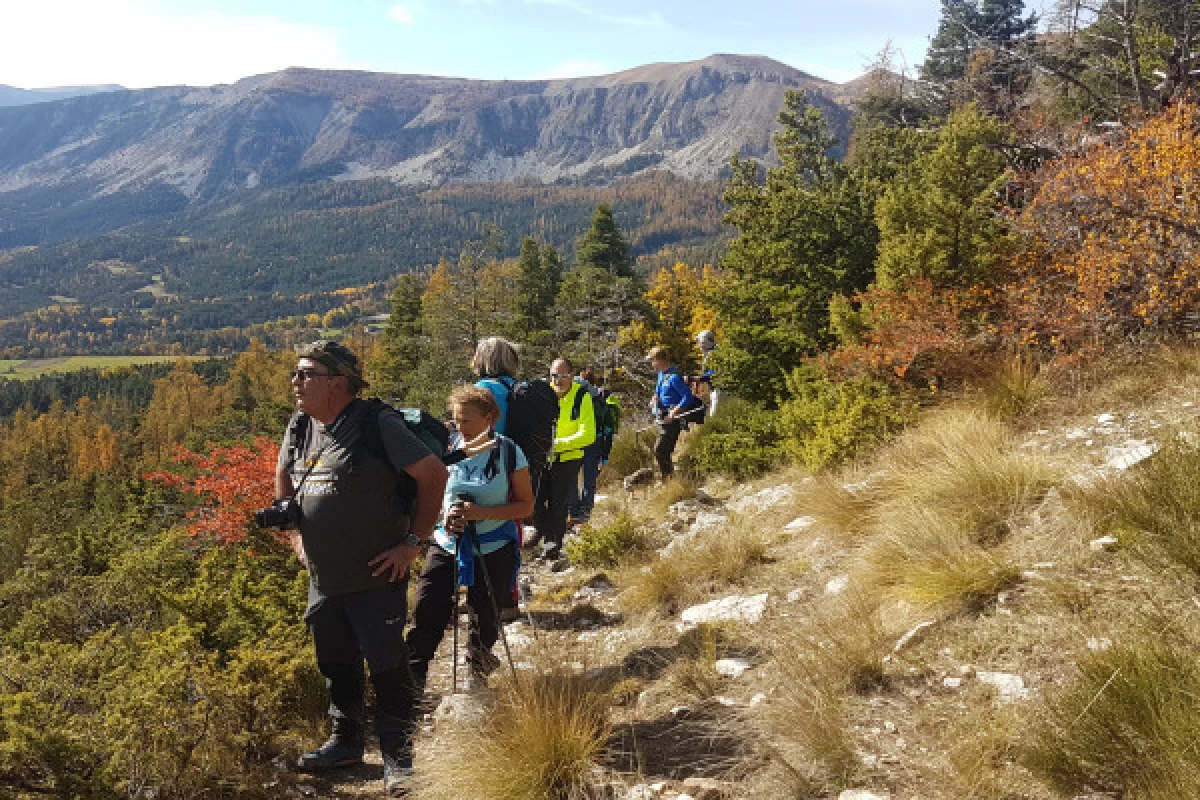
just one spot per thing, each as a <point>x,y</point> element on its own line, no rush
<point>576,430</point>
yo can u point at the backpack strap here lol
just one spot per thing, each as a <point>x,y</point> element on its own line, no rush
<point>578,404</point>
<point>297,437</point>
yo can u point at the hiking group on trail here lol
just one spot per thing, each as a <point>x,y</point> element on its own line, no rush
<point>365,490</point>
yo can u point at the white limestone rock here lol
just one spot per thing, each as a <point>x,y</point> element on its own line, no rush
<point>1009,688</point>
<point>732,667</point>
<point>735,608</point>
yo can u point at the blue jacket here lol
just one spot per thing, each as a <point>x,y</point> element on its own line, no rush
<point>671,392</point>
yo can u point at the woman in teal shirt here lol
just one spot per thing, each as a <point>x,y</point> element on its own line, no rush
<point>488,490</point>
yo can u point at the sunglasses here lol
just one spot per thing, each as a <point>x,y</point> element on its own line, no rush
<point>557,376</point>
<point>305,373</point>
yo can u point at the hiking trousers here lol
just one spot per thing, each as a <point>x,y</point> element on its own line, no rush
<point>664,447</point>
<point>553,501</point>
<point>434,607</point>
<point>368,625</point>
<point>585,498</point>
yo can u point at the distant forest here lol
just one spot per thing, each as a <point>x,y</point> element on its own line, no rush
<point>167,285</point>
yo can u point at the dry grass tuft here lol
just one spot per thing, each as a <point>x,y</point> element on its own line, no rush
<point>839,511</point>
<point>966,466</point>
<point>820,661</point>
<point>1015,391</point>
<point>944,503</point>
<point>1128,724</point>
<point>1156,505</point>
<point>927,558</point>
<point>722,558</point>
<point>542,738</point>
<point>980,750</point>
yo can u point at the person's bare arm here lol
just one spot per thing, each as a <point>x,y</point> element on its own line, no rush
<point>430,475</point>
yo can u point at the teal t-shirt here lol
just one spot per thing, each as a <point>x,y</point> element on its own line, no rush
<point>488,487</point>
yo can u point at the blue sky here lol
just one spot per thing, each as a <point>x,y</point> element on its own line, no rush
<point>140,43</point>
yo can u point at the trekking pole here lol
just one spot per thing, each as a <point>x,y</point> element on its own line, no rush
<point>457,585</point>
<point>487,582</point>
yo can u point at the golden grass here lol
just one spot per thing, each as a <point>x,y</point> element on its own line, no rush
<point>724,557</point>
<point>1128,724</point>
<point>540,740</point>
<point>1155,506</point>
<point>1014,391</point>
<point>819,661</point>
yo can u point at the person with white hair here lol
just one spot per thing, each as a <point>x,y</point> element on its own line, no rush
<point>706,340</point>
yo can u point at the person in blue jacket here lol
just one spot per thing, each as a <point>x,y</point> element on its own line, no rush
<point>672,399</point>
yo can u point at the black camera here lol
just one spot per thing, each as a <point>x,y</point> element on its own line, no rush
<point>283,514</point>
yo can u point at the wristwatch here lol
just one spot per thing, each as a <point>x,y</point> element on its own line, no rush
<point>412,540</point>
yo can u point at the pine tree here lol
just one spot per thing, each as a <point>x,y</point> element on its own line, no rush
<point>604,246</point>
<point>402,341</point>
<point>539,276</point>
<point>939,222</point>
<point>805,234</point>
<point>974,54</point>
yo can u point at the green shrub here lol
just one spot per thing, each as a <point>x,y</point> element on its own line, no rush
<point>825,423</point>
<point>608,544</point>
<point>630,452</point>
<point>741,440</point>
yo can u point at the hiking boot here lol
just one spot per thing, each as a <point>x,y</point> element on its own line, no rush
<point>397,775</point>
<point>532,537</point>
<point>338,751</point>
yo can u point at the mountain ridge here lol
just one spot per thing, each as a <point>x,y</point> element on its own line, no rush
<point>300,125</point>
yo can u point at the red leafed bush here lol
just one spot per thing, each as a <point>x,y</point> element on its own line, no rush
<point>228,485</point>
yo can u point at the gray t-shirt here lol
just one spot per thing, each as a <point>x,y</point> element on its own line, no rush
<point>351,507</point>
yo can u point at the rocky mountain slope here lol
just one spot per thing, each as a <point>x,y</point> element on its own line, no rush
<point>301,125</point>
<point>15,96</point>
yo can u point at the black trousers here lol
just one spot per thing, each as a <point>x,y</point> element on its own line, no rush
<point>557,492</point>
<point>369,625</point>
<point>435,606</point>
<point>664,447</point>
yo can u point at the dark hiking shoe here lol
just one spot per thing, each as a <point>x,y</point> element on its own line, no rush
<point>397,775</point>
<point>338,751</point>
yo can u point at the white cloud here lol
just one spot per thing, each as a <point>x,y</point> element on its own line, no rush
<point>652,19</point>
<point>577,69</point>
<point>139,43</point>
<point>402,14</point>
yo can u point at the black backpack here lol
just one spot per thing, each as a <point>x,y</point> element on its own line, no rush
<point>532,417</point>
<point>599,411</point>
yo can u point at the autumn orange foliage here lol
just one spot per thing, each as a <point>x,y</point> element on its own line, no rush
<point>228,484</point>
<point>1114,237</point>
<point>920,336</point>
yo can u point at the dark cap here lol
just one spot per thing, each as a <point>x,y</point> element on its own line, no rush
<point>337,357</point>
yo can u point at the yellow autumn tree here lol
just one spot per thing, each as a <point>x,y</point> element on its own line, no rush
<point>1114,235</point>
<point>181,403</point>
<point>677,297</point>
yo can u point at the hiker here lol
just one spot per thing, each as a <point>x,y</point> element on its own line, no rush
<point>495,364</point>
<point>672,399</point>
<point>706,341</point>
<point>528,409</point>
<point>576,429</point>
<point>487,492</point>
<point>596,452</point>
<point>357,535</point>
